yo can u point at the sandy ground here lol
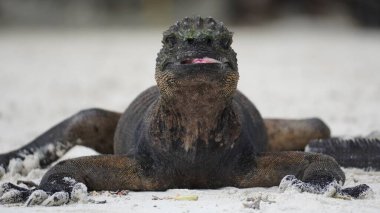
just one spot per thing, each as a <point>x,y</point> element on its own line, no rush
<point>291,71</point>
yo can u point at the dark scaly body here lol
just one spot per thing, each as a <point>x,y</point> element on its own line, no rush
<point>210,161</point>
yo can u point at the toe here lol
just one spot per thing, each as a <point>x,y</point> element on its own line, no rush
<point>361,191</point>
<point>79,193</point>
<point>2,171</point>
<point>290,181</point>
<point>14,196</point>
<point>57,199</point>
<point>36,198</point>
<point>10,193</point>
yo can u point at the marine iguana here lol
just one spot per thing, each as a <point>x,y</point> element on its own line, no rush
<point>193,130</point>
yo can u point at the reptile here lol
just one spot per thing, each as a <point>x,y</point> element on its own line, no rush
<point>194,129</point>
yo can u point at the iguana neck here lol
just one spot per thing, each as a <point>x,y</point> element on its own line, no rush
<point>196,114</point>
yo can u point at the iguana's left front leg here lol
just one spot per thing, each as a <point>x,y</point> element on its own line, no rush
<point>69,180</point>
<point>315,173</point>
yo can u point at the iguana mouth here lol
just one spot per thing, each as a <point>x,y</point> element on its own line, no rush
<point>197,61</point>
<point>204,60</point>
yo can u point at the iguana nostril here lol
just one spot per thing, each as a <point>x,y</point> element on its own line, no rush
<point>209,41</point>
<point>190,40</point>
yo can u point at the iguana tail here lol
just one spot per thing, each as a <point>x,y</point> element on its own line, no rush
<point>357,152</point>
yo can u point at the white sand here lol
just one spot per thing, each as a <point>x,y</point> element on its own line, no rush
<point>288,71</point>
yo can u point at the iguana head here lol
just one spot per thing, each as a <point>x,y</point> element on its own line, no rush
<point>197,52</point>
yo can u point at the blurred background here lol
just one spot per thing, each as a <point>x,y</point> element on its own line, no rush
<point>297,58</point>
<point>85,13</point>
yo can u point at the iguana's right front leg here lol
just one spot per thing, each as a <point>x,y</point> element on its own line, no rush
<point>70,180</point>
<point>93,128</point>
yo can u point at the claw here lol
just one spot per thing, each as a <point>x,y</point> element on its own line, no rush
<point>361,191</point>
<point>79,193</point>
<point>12,196</point>
<point>10,193</point>
<point>36,198</point>
<point>5,187</point>
<point>57,199</point>
<point>290,181</point>
<point>2,171</point>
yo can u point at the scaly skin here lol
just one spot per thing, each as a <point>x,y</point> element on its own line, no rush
<point>193,130</point>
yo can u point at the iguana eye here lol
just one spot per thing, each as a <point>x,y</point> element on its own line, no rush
<point>226,43</point>
<point>170,40</point>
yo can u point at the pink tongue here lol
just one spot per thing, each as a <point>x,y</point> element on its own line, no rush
<point>204,60</point>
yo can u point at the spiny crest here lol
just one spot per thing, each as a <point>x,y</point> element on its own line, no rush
<point>196,27</point>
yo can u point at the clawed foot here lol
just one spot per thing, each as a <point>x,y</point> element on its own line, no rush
<point>10,194</point>
<point>330,188</point>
